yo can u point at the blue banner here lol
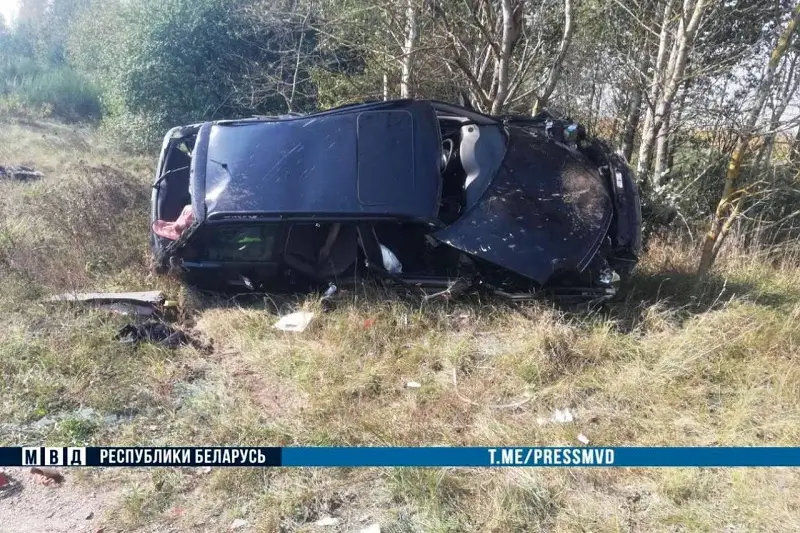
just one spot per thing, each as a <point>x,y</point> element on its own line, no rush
<point>402,456</point>
<point>541,456</point>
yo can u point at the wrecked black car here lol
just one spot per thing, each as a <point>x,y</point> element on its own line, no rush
<point>422,194</point>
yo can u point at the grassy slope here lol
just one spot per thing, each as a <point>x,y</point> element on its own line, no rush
<point>679,361</point>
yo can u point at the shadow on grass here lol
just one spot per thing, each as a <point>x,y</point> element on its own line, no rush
<point>684,294</point>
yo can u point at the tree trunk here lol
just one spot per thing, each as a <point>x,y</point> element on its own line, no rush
<point>555,71</point>
<point>407,63</point>
<point>730,203</point>
<point>631,123</point>
<point>504,60</point>
<point>675,72</point>
<point>662,152</point>
<point>634,113</point>
<point>648,133</point>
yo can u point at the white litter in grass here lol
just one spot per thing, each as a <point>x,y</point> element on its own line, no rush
<point>296,322</point>
<point>562,415</point>
<point>413,385</point>
<point>372,528</point>
<point>327,521</point>
<point>559,416</point>
<point>583,438</point>
<point>239,524</point>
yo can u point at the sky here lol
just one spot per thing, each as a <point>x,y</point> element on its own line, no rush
<point>8,8</point>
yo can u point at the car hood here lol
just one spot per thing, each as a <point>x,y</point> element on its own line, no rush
<point>546,211</point>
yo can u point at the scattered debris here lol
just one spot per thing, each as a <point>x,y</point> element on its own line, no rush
<point>372,528</point>
<point>583,438</point>
<point>559,416</point>
<point>413,385</point>
<point>455,288</point>
<point>204,470</point>
<point>156,332</point>
<point>369,322</point>
<point>390,261</point>
<point>516,405</point>
<point>327,521</point>
<point>326,301</point>
<point>89,515</point>
<point>296,322</point>
<point>49,473</point>
<point>239,524</point>
<point>19,173</point>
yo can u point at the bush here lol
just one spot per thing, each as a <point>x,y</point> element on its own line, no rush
<point>170,63</point>
<point>30,89</point>
<point>63,92</point>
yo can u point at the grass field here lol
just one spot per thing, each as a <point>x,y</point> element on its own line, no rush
<point>676,360</point>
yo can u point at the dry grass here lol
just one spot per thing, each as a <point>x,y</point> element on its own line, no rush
<point>676,361</point>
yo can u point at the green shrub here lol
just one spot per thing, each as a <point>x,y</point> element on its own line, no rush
<point>65,93</point>
<point>164,64</point>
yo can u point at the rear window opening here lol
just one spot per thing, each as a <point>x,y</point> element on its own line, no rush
<point>173,187</point>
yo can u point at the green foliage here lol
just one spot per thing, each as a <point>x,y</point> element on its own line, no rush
<point>161,64</point>
<point>62,92</point>
<point>34,80</point>
<point>28,88</point>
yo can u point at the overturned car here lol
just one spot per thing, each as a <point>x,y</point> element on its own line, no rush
<point>422,194</point>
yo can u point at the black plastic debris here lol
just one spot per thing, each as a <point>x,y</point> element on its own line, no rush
<point>155,332</point>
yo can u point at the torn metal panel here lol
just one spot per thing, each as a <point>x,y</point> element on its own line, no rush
<point>147,298</point>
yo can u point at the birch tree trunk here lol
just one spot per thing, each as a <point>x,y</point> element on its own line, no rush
<point>407,62</point>
<point>785,93</point>
<point>676,68</point>
<point>555,71</point>
<point>634,111</point>
<point>643,161</point>
<point>730,203</point>
<point>662,152</point>
<point>504,59</point>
